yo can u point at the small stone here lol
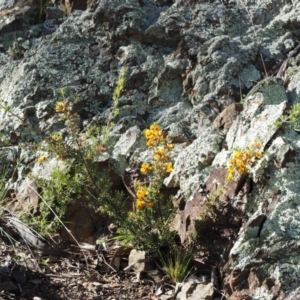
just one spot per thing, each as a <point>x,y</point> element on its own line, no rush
<point>193,291</point>
<point>134,257</point>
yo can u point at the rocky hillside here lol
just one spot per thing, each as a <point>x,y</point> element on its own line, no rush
<point>216,75</point>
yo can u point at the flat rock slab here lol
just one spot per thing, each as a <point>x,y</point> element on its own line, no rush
<point>193,291</point>
<point>264,106</point>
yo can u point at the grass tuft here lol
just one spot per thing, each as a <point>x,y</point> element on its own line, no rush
<point>176,263</point>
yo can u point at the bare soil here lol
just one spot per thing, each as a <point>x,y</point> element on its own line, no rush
<point>27,274</point>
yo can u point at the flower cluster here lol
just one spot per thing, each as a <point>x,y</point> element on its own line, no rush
<point>157,170</point>
<point>62,107</point>
<point>168,166</point>
<point>154,135</point>
<point>242,160</point>
<point>141,196</point>
<point>145,168</point>
<point>161,146</point>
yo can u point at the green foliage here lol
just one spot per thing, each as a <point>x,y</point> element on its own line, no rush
<point>42,4</point>
<point>15,52</point>
<point>6,172</point>
<point>80,176</point>
<point>291,119</point>
<point>292,70</point>
<point>176,263</point>
<point>119,89</point>
<point>120,85</point>
<point>3,183</point>
<point>58,192</point>
<point>211,202</point>
<point>145,231</point>
<point>77,175</point>
<point>243,98</point>
<point>44,262</point>
<point>147,226</point>
<point>65,186</point>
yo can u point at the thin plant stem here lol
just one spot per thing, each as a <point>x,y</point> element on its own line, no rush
<point>64,226</point>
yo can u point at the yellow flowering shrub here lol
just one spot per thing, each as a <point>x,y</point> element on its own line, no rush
<point>147,226</point>
<point>242,160</point>
<point>157,171</point>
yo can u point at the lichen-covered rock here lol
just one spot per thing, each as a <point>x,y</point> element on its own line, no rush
<point>6,4</point>
<point>124,147</point>
<point>265,104</point>
<point>193,291</point>
<point>187,61</point>
<point>266,242</point>
<point>225,119</point>
<point>193,159</point>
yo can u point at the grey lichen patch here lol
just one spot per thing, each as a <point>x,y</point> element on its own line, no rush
<point>221,159</point>
<point>246,244</point>
<point>124,148</point>
<point>281,229</point>
<point>249,76</point>
<point>289,275</point>
<point>258,170</point>
<point>194,158</point>
<point>4,4</point>
<point>264,105</point>
<point>293,88</point>
<point>262,293</point>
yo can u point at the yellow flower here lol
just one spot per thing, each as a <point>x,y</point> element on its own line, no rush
<point>230,171</point>
<point>148,134</point>
<point>141,193</point>
<point>140,204</point>
<point>41,159</point>
<point>242,170</point>
<point>145,168</point>
<point>155,127</point>
<point>153,135</point>
<point>170,146</point>
<point>56,137</point>
<point>150,204</point>
<point>240,163</point>
<point>169,167</point>
<point>232,162</point>
<point>258,155</point>
<point>238,154</point>
<point>160,153</point>
<point>60,107</point>
<point>229,177</point>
